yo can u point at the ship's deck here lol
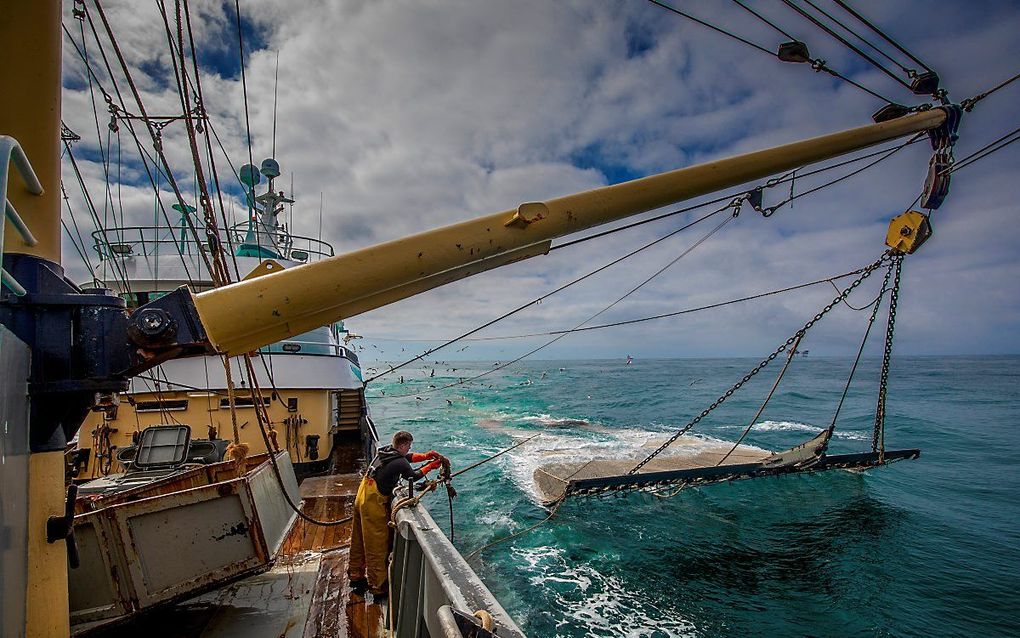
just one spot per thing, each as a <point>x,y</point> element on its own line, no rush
<point>305,595</point>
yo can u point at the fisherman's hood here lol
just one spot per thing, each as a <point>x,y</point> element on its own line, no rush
<point>387,453</point>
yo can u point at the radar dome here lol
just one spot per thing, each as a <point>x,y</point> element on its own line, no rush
<point>270,168</point>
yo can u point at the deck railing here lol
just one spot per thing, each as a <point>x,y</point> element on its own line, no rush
<point>431,585</point>
<point>120,242</point>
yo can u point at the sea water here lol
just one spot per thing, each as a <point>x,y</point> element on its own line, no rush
<point>924,547</point>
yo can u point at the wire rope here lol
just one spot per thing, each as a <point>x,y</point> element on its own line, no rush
<point>817,65</point>
<point>686,311</point>
<point>156,139</point>
<point>986,150</point>
<point>818,23</point>
<point>605,309</point>
<point>907,71</point>
<point>537,300</point>
<point>143,154</point>
<point>881,34</point>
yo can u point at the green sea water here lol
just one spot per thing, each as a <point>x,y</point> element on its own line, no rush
<point>919,548</point>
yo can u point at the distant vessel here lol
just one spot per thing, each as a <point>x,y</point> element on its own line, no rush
<point>630,360</point>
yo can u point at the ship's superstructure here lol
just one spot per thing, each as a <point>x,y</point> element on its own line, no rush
<point>313,385</point>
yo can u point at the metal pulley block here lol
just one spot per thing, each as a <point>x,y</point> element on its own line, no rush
<point>925,83</point>
<point>943,138</point>
<point>936,183</point>
<point>907,232</point>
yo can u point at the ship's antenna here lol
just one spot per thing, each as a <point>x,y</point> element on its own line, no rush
<point>292,203</point>
<point>320,216</point>
<point>276,89</point>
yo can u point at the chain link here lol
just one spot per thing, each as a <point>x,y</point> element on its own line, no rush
<point>758,368</point>
<point>878,436</point>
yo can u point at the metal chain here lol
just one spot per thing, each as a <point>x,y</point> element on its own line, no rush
<point>878,436</point>
<point>758,368</point>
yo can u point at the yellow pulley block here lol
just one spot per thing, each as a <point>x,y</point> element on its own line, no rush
<point>907,232</point>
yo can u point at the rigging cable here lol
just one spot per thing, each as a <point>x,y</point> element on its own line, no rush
<point>817,64</point>
<point>767,212</point>
<point>143,154</point>
<point>910,73</point>
<point>537,300</point>
<point>969,103</point>
<point>882,34</point>
<point>627,322</point>
<point>736,209</point>
<point>986,150</point>
<point>156,137</point>
<point>754,419</point>
<point>222,274</point>
<point>83,251</point>
<point>203,113</point>
<point>103,156</point>
<point>843,40</point>
<point>91,206</point>
<point>894,262</point>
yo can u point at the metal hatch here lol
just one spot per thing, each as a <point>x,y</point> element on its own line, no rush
<point>162,446</point>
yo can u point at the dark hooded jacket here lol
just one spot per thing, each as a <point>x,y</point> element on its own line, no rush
<point>389,467</point>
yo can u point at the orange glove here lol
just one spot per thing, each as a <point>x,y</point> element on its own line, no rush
<point>431,455</point>
<point>434,465</point>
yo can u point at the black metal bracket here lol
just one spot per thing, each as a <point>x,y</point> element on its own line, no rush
<point>62,528</point>
<point>85,345</point>
<point>76,357</point>
<point>164,329</point>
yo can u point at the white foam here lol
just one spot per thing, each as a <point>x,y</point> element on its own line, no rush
<point>601,602</point>
<point>793,426</point>
<point>550,421</point>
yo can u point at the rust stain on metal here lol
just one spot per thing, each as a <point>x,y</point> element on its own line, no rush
<point>236,530</point>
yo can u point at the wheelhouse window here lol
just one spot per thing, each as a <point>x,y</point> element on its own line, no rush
<point>171,405</point>
<point>242,402</point>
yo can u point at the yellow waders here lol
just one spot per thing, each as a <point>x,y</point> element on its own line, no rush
<point>370,536</point>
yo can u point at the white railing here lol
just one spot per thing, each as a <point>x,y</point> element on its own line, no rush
<point>11,152</point>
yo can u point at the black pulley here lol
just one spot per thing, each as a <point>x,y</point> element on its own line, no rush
<point>889,112</point>
<point>925,83</point>
<point>794,51</point>
<point>936,184</point>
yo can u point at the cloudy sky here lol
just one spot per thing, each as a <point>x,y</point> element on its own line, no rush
<point>406,116</point>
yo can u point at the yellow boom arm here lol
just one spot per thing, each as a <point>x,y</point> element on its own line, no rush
<point>250,314</point>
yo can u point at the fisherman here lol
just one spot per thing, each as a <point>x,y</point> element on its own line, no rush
<point>370,533</point>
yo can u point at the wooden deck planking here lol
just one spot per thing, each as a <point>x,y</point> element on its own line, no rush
<point>324,498</point>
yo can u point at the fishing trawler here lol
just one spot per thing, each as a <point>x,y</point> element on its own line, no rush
<point>74,352</point>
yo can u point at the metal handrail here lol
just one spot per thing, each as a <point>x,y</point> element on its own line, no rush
<point>149,238</point>
<point>11,151</point>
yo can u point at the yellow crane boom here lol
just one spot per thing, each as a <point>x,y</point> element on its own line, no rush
<point>250,314</point>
